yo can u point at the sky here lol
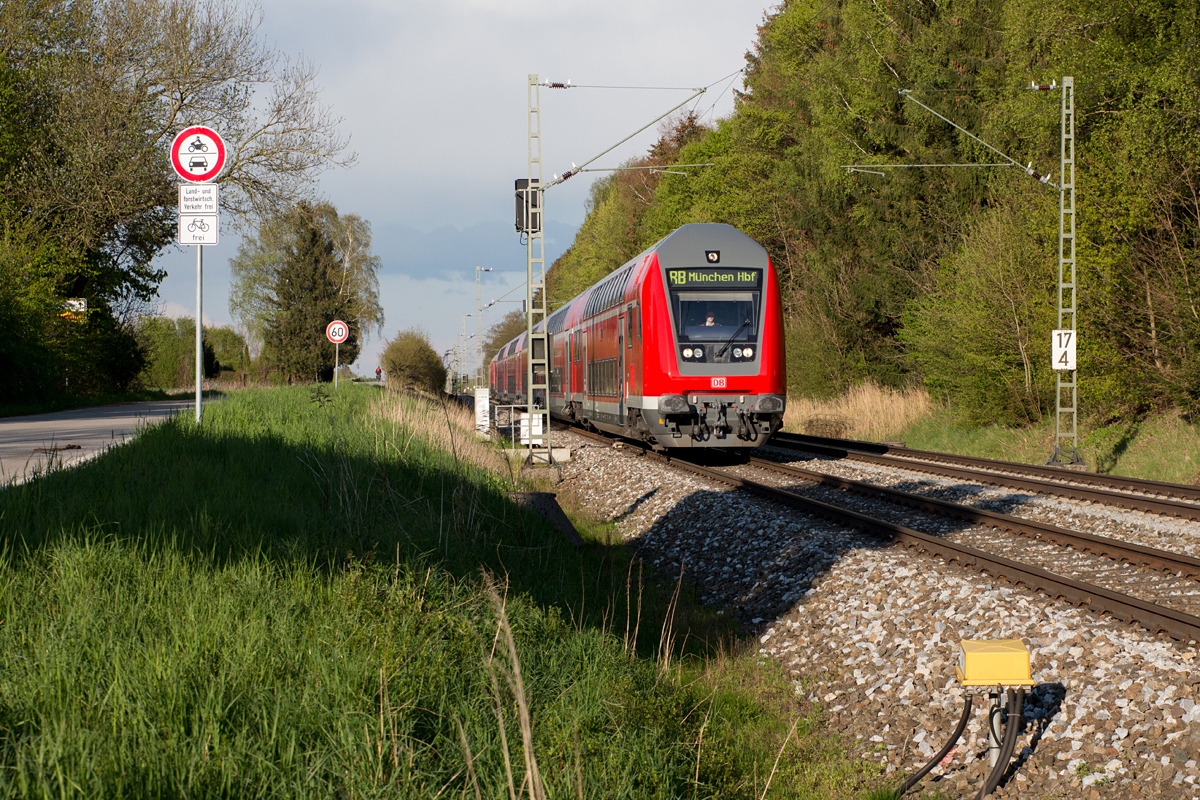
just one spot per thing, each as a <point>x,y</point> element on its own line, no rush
<point>434,97</point>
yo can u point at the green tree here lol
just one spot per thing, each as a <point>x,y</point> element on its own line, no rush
<point>302,302</point>
<point>902,275</point>
<point>91,95</point>
<point>229,348</point>
<point>256,269</point>
<point>980,332</point>
<point>169,346</point>
<point>503,331</point>
<point>169,353</point>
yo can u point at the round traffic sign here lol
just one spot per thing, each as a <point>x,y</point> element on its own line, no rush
<point>337,331</point>
<point>198,154</point>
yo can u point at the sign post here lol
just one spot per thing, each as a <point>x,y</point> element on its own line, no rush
<point>198,156</point>
<point>74,310</point>
<point>337,332</point>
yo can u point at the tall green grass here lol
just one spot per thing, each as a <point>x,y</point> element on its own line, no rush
<point>1161,447</point>
<point>310,597</point>
<point>1164,446</point>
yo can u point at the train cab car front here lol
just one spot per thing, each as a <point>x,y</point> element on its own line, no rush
<point>723,378</point>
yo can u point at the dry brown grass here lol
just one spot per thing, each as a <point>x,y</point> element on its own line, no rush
<point>405,416</point>
<point>868,412</point>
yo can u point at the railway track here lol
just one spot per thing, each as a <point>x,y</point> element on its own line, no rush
<point>1133,494</point>
<point>1104,575</point>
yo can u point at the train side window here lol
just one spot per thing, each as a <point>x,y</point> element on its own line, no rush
<point>629,326</point>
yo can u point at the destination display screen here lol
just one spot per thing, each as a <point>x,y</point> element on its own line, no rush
<point>714,278</point>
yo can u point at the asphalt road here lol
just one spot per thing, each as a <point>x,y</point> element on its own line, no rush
<point>28,444</point>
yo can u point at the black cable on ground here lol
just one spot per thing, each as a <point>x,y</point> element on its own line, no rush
<point>993,778</point>
<point>954,737</point>
<point>1016,705</point>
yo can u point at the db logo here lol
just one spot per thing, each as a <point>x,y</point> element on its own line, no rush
<point>718,383</point>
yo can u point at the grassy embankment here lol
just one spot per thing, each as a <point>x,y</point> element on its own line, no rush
<point>316,596</point>
<point>1163,447</point>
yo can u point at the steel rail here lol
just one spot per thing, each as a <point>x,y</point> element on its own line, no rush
<point>1182,503</point>
<point>1154,618</point>
<point>1118,482</point>
<point>1110,548</point>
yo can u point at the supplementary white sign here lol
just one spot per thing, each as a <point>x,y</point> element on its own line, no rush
<point>198,154</point>
<point>1062,350</point>
<point>198,228</point>
<point>198,198</point>
<point>482,410</point>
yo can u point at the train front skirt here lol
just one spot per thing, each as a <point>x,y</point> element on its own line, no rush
<point>695,420</point>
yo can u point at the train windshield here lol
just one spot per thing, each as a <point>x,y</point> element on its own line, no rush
<point>710,316</point>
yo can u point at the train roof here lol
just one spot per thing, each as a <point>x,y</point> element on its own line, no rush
<point>686,246</point>
<point>689,245</point>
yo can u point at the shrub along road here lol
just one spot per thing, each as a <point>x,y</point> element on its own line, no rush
<point>28,445</point>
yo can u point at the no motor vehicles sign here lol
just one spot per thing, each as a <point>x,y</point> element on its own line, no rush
<point>198,154</point>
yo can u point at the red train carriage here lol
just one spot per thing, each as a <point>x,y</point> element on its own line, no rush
<point>682,346</point>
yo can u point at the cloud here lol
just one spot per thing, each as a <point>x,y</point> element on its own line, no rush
<point>178,310</point>
<point>434,94</point>
<point>451,253</point>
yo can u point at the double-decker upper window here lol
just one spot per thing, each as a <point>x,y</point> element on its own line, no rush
<point>711,305</point>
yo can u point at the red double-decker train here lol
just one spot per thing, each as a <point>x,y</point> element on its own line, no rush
<point>682,346</point>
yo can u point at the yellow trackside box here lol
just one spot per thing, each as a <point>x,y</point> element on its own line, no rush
<point>1000,662</point>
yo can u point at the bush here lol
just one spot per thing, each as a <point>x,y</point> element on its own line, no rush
<point>170,347</point>
<point>411,362</point>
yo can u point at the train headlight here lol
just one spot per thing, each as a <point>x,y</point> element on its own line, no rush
<point>687,352</point>
<point>747,352</point>
<point>699,352</point>
<point>737,352</point>
<point>673,404</point>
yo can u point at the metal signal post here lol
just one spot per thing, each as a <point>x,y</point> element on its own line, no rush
<point>478,354</point>
<point>529,198</point>
<point>1066,383</point>
<point>530,193</point>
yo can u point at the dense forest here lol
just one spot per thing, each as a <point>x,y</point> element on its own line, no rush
<point>948,275</point>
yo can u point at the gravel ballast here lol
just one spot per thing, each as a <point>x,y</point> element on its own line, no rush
<point>870,634</point>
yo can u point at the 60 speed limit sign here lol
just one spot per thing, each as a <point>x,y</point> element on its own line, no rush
<point>337,331</point>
